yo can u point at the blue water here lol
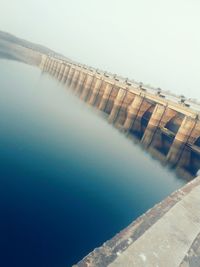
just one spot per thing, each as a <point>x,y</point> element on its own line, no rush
<point>68,180</point>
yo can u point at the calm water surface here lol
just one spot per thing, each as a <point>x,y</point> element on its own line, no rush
<point>68,180</point>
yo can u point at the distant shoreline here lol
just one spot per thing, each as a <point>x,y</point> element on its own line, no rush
<point>14,48</point>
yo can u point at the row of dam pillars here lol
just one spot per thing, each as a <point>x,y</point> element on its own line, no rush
<point>124,108</point>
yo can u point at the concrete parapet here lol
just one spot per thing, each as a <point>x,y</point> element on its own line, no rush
<point>154,238</point>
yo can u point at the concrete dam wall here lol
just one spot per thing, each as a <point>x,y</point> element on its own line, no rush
<point>133,108</point>
<point>168,127</point>
<point>157,238</point>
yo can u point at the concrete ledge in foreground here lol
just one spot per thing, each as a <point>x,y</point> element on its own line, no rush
<point>168,235</point>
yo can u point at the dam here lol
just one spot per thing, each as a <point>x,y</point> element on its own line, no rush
<point>158,122</point>
<point>128,104</point>
<point>157,238</point>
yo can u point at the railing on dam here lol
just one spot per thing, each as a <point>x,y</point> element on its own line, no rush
<point>167,126</point>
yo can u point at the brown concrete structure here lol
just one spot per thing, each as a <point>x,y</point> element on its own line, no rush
<point>87,84</point>
<point>136,110</point>
<point>118,104</point>
<point>160,117</point>
<point>65,74</point>
<point>61,72</point>
<point>96,89</point>
<point>128,105</point>
<point>81,80</point>
<point>106,95</point>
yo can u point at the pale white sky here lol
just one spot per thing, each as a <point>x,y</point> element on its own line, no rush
<point>154,41</point>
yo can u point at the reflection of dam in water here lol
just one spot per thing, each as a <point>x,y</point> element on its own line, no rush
<point>170,131</point>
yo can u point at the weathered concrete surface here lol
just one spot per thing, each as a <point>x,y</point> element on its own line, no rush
<point>168,240</point>
<point>192,258</point>
<point>167,235</point>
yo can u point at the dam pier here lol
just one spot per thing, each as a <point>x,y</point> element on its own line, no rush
<point>168,127</point>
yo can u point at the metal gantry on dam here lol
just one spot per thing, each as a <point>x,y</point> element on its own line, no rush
<point>134,108</point>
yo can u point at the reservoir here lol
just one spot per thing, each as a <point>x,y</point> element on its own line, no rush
<point>69,180</point>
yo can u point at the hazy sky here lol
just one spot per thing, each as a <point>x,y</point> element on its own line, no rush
<point>157,41</point>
